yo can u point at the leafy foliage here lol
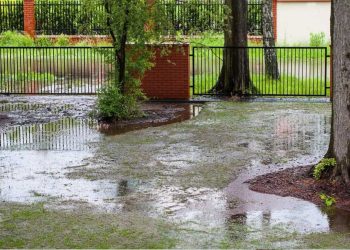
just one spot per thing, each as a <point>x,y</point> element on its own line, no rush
<point>62,41</point>
<point>133,26</point>
<point>323,166</point>
<point>318,39</point>
<point>328,200</point>
<point>15,39</point>
<point>113,105</point>
<point>43,42</point>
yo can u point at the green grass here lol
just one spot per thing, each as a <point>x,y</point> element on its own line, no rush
<point>34,226</point>
<point>19,81</point>
<point>263,85</point>
<point>30,76</point>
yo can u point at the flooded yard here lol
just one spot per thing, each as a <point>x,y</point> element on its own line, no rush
<point>181,185</point>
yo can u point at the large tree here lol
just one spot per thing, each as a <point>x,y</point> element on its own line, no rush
<point>234,78</point>
<point>340,138</point>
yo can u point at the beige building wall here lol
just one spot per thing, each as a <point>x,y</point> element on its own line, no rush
<point>296,20</point>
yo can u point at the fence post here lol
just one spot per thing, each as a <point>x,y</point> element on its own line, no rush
<point>29,17</point>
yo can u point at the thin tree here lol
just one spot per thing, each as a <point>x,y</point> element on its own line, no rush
<point>132,25</point>
<point>271,63</point>
<point>340,133</point>
<point>234,78</point>
<point>129,21</point>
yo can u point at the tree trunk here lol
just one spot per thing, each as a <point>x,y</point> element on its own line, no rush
<point>330,152</point>
<point>120,53</point>
<point>341,105</point>
<point>234,78</point>
<point>271,63</point>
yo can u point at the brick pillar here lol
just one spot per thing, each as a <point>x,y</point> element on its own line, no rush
<point>29,17</point>
<point>169,79</point>
<point>274,13</point>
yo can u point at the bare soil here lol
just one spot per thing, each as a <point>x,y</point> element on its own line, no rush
<point>297,182</point>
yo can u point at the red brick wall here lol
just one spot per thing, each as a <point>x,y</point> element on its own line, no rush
<point>29,17</point>
<point>170,77</point>
<point>274,13</point>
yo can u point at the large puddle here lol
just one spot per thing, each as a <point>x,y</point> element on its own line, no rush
<point>191,173</point>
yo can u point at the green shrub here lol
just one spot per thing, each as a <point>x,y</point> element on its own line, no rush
<point>15,39</point>
<point>318,39</point>
<point>62,41</point>
<point>43,42</point>
<point>328,200</point>
<point>325,165</point>
<point>113,105</point>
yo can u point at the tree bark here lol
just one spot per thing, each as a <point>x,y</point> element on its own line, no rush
<point>330,152</point>
<point>271,63</point>
<point>341,102</point>
<point>234,78</point>
<point>120,53</point>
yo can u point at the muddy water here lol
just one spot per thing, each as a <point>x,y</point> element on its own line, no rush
<point>36,157</point>
<point>191,174</point>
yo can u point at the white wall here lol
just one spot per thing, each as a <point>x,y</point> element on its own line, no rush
<point>295,21</point>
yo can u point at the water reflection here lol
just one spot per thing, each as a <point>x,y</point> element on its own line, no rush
<point>307,132</point>
<point>71,133</point>
<point>65,134</point>
<point>10,107</point>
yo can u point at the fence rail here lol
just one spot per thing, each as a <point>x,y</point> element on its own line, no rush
<point>68,17</point>
<point>303,71</point>
<point>53,70</point>
<point>11,15</point>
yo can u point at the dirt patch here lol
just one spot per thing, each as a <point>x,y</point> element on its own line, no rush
<point>155,114</point>
<point>4,119</point>
<point>297,182</point>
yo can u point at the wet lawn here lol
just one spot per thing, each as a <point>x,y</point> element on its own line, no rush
<point>177,186</point>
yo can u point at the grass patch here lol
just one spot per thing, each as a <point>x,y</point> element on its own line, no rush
<point>36,227</point>
<point>264,85</point>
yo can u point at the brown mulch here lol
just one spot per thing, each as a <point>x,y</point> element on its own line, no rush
<point>297,182</point>
<point>4,119</point>
<point>156,114</point>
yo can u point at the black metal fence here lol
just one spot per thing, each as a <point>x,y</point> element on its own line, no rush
<point>195,16</point>
<point>11,15</point>
<point>53,70</point>
<point>303,71</point>
<point>68,17</point>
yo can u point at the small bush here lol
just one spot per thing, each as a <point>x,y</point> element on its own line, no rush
<point>15,39</point>
<point>318,39</point>
<point>328,200</point>
<point>43,42</point>
<point>113,105</point>
<point>62,41</point>
<point>325,165</point>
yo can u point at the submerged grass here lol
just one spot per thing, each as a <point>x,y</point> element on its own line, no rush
<point>34,226</point>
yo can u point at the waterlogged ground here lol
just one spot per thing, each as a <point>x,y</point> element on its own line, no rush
<point>65,184</point>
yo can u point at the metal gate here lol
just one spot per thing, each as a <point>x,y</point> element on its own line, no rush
<point>53,70</point>
<point>303,71</point>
